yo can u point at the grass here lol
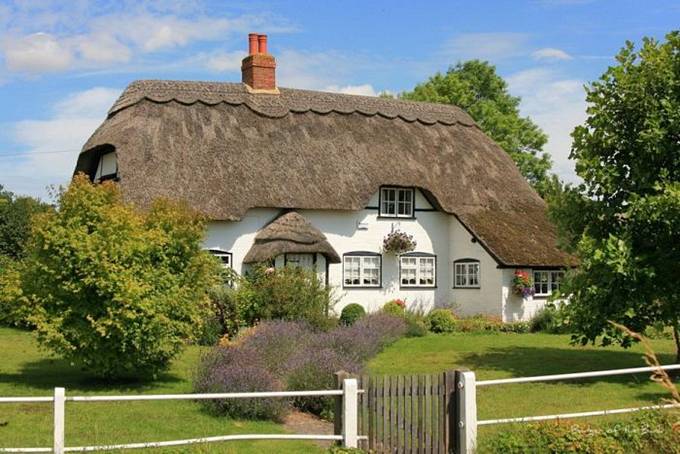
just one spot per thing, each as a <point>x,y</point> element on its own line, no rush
<point>516,355</point>
<point>25,370</point>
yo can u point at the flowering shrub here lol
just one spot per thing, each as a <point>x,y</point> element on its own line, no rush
<point>522,284</point>
<point>398,242</point>
<point>314,369</point>
<point>395,307</point>
<point>238,370</point>
<point>294,356</point>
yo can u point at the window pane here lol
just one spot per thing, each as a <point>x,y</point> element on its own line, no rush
<point>405,207</point>
<point>541,279</point>
<point>555,280</point>
<point>473,274</point>
<point>408,276</point>
<point>389,202</point>
<point>426,271</point>
<point>371,271</point>
<point>352,270</point>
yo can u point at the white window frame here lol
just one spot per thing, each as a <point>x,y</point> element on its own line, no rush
<point>466,269</point>
<point>99,173</point>
<point>363,260</point>
<point>395,200</point>
<point>419,259</point>
<point>222,255</point>
<point>552,283</point>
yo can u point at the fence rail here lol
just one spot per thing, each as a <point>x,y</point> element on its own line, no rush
<point>467,401</point>
<point>349,436</point>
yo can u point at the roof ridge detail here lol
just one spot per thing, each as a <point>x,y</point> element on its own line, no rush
<point>289,100</point>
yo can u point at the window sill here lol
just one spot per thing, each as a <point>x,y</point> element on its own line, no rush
<point>405,218</point>
<point>467,288</point>
<point>362,287</point>
<point>418,287</point>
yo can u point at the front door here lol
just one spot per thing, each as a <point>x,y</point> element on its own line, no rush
<point>302,260</point>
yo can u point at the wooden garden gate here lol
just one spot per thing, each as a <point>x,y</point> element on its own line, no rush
<point>405,413</point>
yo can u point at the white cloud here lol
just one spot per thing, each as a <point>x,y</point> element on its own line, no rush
<point>549,53</point>
<point>557,105</point>
<point>222,61</point>
<point>102,48</point>
<point>364,90</point>
<point>73,120</point>
<point>76,36</point>
<point>39,52</point>
<point>485,46</point>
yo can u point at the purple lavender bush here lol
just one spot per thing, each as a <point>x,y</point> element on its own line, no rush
<point>293,356</point>
<point>234,369</point>
<point>314,369</point>
<point>275,341</point>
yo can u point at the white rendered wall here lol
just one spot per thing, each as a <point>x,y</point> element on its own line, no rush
<point>349,231</point>
<point>488,298</point>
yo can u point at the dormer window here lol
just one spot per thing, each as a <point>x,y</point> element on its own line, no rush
<point>396,202</point>
<point>107,167</point>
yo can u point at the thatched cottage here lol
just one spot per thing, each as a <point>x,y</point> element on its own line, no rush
<point>319,180</point>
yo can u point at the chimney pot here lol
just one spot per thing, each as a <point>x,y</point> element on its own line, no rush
<point>258,69</point>
<point>253,47</point>
<point>262,43</point>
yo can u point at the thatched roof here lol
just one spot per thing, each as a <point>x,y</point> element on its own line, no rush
<point>290,233</point>
<point>226,150</point>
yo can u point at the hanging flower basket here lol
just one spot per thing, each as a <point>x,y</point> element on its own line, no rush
<point>522,284</point>
<point>398,242</point>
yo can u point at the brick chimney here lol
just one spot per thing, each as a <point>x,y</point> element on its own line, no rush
<point>258,69</point>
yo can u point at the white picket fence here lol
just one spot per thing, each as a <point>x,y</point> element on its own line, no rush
<point>467,402</point>
<point>349,436</point>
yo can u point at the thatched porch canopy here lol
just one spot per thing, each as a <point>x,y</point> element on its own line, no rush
<point>290,233</point>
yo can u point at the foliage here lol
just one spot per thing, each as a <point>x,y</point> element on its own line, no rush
<point>550,319</point>
<point>289,293</point>
<point>623,222</point>
<point>416,324</point>
<point>14,309</point>
<point>475,87</point>
<point>238,370</point>
<point>351,313</point>
<point>522,284</point>
<point>16,213</point>
<point>226,316</point>
<point>395,307</point>
<point>441,321</point>
<point>300,357</point>
<point>398,242</point>
<point>343,450</point>
<point>646,432</point>
<point>116,290</point>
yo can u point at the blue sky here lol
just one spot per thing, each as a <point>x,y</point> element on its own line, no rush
<point>62,64</point>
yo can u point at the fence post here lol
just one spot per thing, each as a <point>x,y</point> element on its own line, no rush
<point>340,377</point>
<point>350,410</point>
<point>466,403</point>
<point>59,416</point>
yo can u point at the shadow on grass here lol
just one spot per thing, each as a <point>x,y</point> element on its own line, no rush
<point>529,361</point>
<point>50,373</point>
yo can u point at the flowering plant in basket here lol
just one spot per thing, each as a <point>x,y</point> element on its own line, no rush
<point>398,242</point>
<point>522,284</point>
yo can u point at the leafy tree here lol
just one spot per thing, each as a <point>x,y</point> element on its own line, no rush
<point>624,220</point>
<point>114,289</point>
<point>475,87</point>
<point>15,221</point>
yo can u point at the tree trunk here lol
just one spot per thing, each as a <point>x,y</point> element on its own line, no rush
<point>676,337</point>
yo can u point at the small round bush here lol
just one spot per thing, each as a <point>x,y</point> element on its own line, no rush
<point>441,321</point>
<point>416,327</point>
<point>394,307</point>
<point>351,313</point>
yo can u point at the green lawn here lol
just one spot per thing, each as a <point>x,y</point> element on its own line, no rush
<point>25,370</point>
<point>517,355</point>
